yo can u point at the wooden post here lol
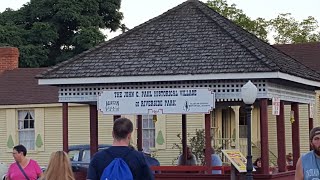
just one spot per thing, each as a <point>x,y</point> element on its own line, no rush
<point>139,132</point>
<point>65,127</point>
<point>310,122</point>
<point>208,142</point>
<point>281,139</point>
<point>295,134</point>
<point>184,138</point>
<point>264,136</point>
<point>93,130</point>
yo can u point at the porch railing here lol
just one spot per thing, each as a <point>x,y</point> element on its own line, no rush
<point>230,143</point>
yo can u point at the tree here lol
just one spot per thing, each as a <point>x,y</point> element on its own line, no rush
<point>197,142</point>
<point>285,28</point>
<point>51,31</point>
<point>289,30</point>
<point>257,26</point>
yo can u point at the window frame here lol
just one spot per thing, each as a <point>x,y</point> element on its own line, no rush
<point>30,143</point>
<point>151,129</point>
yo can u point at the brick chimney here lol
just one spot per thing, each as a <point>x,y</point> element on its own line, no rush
<point>9,58</point>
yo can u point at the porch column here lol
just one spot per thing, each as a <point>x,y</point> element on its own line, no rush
<point>236,119</point>
<point>295,134</point>
<point>65,127</point>
<point>310,121</point>
<point>281,139</point>
<point>208,141</point>
<point>264,136</point>
<point>184,138</point>
<point>93,129</point>
<point>139,132</point>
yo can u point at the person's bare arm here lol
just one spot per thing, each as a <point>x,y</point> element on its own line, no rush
<point>299,170</point>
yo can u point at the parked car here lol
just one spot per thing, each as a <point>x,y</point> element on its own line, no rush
<point>80,155</point>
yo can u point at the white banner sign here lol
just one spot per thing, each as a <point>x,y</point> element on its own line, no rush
<point>156,101</point>
<point>276,106</point>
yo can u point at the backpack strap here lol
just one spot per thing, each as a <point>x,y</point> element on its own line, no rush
<point>21,169</point>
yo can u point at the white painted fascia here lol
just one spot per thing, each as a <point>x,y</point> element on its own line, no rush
<point>21,106</point>
<point>126,79</point>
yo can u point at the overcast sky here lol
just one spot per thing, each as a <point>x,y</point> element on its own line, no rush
<point>138,11</point>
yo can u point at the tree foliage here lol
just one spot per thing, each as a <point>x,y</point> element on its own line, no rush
<point>197,143</point>
<point>50,31</point>
<point>231,12</point>
<point>289,30</point>
<point>284,28</point>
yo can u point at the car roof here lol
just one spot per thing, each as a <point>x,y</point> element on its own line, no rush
<point>87,147</point>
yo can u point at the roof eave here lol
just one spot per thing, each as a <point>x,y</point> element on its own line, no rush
<point>136,79</point>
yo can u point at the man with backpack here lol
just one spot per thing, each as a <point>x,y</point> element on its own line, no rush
<point>119,162</point>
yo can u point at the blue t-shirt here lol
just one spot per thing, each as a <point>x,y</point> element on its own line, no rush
<point>216,161</point>
<point>134,159</point>
<point>310,165</point>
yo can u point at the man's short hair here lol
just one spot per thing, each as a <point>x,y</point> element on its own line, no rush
<point>20,148</point>
<point>121,128</point>
<point>315,131</point>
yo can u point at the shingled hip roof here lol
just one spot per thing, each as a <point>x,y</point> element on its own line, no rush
<point>190,39</point>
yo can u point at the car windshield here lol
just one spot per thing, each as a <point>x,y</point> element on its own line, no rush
<point>74,155</point>
<point>81,153</point>
<point>86,156</point>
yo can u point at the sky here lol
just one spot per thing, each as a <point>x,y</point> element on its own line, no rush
<point>138,11</point>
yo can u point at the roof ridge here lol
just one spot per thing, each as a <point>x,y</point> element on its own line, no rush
<point>299,44</point>
<point>113,39</point>
<point>209,12</point>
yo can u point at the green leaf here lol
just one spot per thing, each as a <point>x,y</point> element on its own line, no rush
<point>10,142</point>
<point>160,139</point>
<point>39,142</point>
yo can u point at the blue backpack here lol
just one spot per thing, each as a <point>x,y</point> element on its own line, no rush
<point>118,169</point>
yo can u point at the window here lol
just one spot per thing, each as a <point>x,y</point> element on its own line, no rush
<point>26,128</point>
<point>148,132</point>
<point>242,123</point>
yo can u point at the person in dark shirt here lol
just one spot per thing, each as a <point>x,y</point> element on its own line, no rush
<point>121,133</point>
<point>191,158</point>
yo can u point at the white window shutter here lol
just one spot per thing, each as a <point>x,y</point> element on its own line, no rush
<point>12,122</point>
<point>160,134</point>
<point>39,129</point>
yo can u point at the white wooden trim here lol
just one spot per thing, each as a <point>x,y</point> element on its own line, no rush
<point>18,106</point>
<point>124,79</point>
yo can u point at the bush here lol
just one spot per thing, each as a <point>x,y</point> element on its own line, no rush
<point>197,143</point>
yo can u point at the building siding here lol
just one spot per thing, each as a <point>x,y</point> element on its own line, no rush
<point>3,137</point>
<point>79,125</point>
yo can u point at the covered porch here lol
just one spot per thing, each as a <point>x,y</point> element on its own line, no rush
<point>225,98</point>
